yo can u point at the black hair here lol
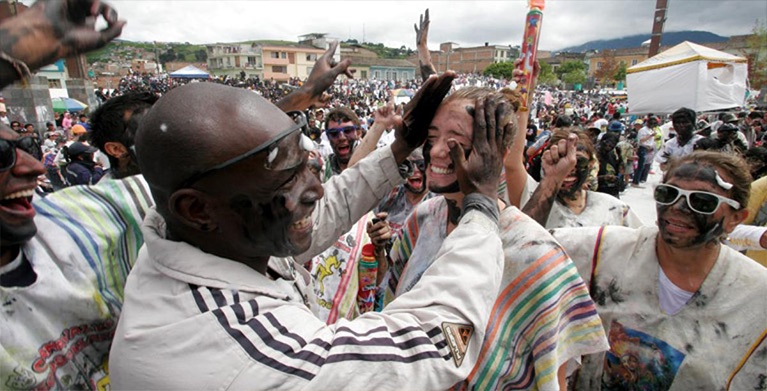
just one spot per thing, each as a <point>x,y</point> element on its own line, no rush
<point>108,122</point>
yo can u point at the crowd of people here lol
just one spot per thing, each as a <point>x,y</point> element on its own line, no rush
<point>332,239</point>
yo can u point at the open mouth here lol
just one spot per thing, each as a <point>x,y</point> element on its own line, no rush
<point>19,204</point>
<point>344,150</point>
<point>415,183</point>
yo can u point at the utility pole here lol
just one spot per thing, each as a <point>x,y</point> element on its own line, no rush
<point>657,26</point>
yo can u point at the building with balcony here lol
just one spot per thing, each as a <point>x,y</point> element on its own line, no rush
<point>281,62</point>
<point>231,59</point>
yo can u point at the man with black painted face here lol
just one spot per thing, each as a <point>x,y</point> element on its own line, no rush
<point>672,297</point>
<point>560,200</point>
<point>216,299</point>
<point>683,121</point>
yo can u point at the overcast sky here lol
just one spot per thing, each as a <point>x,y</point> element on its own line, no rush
<point>468,23</point>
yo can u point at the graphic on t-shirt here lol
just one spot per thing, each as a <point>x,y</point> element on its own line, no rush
<point>76,360</point>
<point>638,361</point>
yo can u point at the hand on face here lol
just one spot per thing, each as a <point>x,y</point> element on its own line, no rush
<point>481,170</point>
<point>420,111</point>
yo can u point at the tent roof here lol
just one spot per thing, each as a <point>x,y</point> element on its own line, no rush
<point>683,53</point>
<point>190,71</point>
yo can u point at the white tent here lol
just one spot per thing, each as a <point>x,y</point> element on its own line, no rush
<point>687,75</point>
<point>190,72</point>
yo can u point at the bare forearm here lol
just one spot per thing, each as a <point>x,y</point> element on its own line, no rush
<point>368,144</point>
<point>516,175</point>
<point>297,100</point>
<point>540,203</point>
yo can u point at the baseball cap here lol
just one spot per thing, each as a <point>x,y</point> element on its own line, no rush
<point>729,117</point>
<point>78,148</point>
<point>78,130</point>
<point>638,122</point>
<point>615,126</point>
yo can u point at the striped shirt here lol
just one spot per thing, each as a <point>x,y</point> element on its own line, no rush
<point>56,332</point>
<point>542,316</point>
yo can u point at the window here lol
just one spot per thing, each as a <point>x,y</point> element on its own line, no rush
<point>363,74</point>
<point>311,57</point>
<point>599,65</point>
<point>283,55</point>
<point>377,74</point>
<point>279,69</point>
<point>634,62</point>
<point>275,54</point>
<point>388,75</point>
<point>54,83</point>
<point>251,60</point>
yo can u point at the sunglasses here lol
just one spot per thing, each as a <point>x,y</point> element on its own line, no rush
<point>286,150</point>
<point>702,202</point>
<point>8,153</point>
<point>419,164</point>
<point>349,132</point>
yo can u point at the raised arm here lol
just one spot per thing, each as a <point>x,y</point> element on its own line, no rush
<point>557,163</point>
<point>385,118</point>
<point>49,30</point>
<point>421,44</point>
<point>312,93</point>
<point>516,174</point>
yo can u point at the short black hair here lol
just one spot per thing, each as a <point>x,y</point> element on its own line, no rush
<point>108,123</point>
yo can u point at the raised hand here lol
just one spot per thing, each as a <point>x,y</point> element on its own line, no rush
<point>480,169</point>
<point>559,160</point>
<point>324,74</point>
<point>421,44</point>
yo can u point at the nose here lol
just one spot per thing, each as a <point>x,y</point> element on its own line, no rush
<point>27,165</point>
<point>440,150</point>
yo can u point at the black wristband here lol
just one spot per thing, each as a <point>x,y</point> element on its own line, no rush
<point>482,203</point>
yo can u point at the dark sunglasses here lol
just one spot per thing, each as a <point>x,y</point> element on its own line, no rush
<point>286,150</point>
<point>349,132</point>
<point>702,202</point>
<point>8,152</point>
<point>419,164</point>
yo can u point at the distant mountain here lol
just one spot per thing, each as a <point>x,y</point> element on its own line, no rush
<point>669,39</point>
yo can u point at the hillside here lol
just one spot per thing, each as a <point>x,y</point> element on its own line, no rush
<point>669,38</point>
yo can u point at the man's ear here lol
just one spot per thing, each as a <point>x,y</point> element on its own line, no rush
<point>115,149</point>
<point>192,209</point>
<point>737,217</point>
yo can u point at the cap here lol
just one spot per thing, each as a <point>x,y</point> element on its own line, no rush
<point>638,122</point>
<point>78,130</point>
<point>729,117</point>
<point>78,148</point>
<point>702,124</point>
<point>615,126</point>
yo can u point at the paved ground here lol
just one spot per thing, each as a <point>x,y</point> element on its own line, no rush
<point>641,200</point>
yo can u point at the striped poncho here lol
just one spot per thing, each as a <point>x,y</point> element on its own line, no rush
<point>543,316</point>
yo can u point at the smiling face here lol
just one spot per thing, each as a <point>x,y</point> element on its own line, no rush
<point>17,185</point>
<point>681,227</point>
<point>452,120</point>
<point>342,140</point>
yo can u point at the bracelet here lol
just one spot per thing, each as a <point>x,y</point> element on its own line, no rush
<point>21,68</point>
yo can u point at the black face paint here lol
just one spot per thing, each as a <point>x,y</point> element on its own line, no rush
<point>581,174</point>
<point>709,229</point>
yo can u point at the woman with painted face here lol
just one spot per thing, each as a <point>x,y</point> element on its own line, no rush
<point>672,296</point>
<point>561,200</point>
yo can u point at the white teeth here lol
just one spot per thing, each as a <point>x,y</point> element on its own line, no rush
<point>303,223</point>
<point>440,170</point>
<point>20,194</point>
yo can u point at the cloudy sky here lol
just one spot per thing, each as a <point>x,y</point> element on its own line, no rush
<point>469,23</point>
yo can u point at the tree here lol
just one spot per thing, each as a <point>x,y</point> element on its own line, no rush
<point>499,70</point>
<point>168,56</point>
<point>201,55</point>
<point>547,75</point>
<point>576,76</point>
<point>620,74</point>
<point>570,66</point>
<point>608,68</point>
<point>756,53</point>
